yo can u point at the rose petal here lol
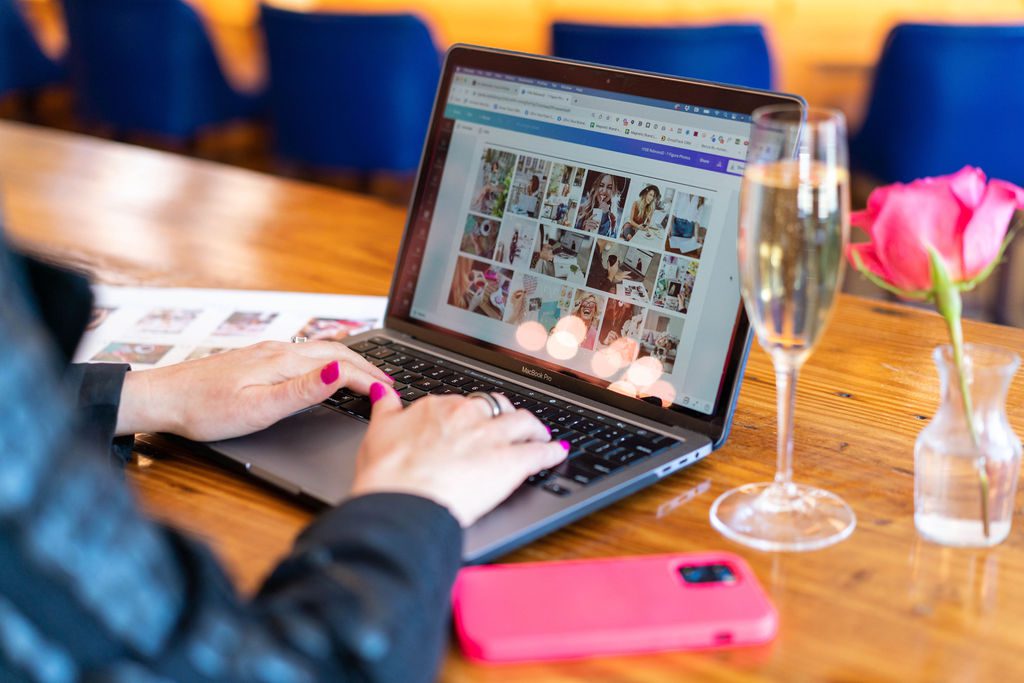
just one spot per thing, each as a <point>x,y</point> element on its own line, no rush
<point>876,200</point>
<point>967,185</point>
<point>984,233</point>
<point>869,259</point>
<point>1017,192</point>
<point>914,217</point>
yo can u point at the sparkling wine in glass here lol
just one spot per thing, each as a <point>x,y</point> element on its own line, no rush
<point>794,219</point>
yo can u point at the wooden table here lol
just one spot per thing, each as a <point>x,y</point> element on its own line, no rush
<point>881,606</point>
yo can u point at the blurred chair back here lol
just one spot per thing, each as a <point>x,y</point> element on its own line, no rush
<point>147,66</point>
<point>23,65</point>
<point>735,53</point>
<point>945,96</point>
<point>350,91</point>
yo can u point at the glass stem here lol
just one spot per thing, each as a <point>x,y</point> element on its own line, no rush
<point>785,393</point>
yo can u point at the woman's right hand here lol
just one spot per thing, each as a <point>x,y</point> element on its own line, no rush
<point>449,449</point>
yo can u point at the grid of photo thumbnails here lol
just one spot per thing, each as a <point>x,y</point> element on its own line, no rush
<point>162,325</point>
<point>546,239</point>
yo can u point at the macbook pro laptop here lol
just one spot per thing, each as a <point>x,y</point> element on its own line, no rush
<point>571,243</point>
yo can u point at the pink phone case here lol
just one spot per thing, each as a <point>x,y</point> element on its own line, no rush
<point>583,608</point>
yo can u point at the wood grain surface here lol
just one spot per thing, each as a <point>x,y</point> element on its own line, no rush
<point>882,606</point>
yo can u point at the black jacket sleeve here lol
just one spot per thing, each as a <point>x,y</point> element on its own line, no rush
<point>96,389</point>
<point>92,591</point>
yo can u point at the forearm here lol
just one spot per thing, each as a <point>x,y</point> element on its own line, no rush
<point>145,406</point>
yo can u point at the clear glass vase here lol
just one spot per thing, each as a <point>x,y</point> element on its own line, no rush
<point>951,465</point>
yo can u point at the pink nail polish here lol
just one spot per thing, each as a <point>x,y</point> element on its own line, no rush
<point>549,429</point>
<point>390,377</point>
<point>377,391</point>
<point>330,373</point>
<point>566,445</point>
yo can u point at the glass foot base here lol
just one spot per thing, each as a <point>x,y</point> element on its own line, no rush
<point>786,517</point>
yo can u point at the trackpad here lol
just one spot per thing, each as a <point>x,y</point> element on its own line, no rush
<point>313,452</point>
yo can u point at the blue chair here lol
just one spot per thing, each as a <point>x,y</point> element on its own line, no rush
<point>945,96</point>
<point>23,66</point>
<point>735,53</point>
<point>350,91</point>
<point>147,66</point>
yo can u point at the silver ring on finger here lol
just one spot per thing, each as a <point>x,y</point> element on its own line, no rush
<point>492,403</point>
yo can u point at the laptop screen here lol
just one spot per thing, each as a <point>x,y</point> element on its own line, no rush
<point>590,231</point>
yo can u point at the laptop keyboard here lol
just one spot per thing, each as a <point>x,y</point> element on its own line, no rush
<point>600,445</point>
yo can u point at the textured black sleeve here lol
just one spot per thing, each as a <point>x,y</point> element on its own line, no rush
<point>96,387</point>
<point>92,591</point>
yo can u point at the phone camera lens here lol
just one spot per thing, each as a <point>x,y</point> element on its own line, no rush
<point>707,573</point>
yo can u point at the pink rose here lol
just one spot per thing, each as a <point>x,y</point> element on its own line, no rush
<point>964,219</point>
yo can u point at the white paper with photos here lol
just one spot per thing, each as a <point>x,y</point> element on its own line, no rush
<point>155,326</point>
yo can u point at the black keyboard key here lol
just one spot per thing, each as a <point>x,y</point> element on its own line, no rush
<point>457,380</point>
<point>389,368</point>
<point>357,406</point>
<point>587,427</point>
<point>400,359</point>
<point>557,489</point>
<point>380,353</point>
<point>522,402</point>
<point>380,341</point>
<point>420,366</point>
<point>438,373</point>
<point>444,390</point>
<point>411,394</point>
<point>426,384</point>
<point>363,347</point>
<point>607,466</point>
<point>609,434</point>
<point>575,438</point>
<point>406,377</point>
<point>539,478</point>
<point>557,430</point>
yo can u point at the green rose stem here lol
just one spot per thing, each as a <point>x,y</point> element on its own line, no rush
<point>950,307</point>
<point>946,296</point>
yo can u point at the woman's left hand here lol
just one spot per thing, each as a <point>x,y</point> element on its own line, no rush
<point>240,391</point>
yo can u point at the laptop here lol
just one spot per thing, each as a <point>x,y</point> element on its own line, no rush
<point>631,348</point>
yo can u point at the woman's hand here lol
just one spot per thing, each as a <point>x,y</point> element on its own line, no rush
<point>449,449</point>
<point>241,391</point>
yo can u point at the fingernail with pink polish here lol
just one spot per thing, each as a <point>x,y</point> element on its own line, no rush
<point>330,373</point>
<point>377,391</point>
<point>390,377</point>
<point>549,430</point>
<point>566,445</point>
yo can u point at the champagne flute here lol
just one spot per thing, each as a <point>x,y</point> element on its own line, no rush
<point>794,219</point>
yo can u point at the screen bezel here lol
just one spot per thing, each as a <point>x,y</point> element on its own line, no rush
<point>666,88</point>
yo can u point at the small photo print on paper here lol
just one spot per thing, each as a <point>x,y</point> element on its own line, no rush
<point>98,316</point>
<point>126,352</point>
<point>204,351</point>
<point>167,320</point>
<point>332,329</point>
<point>244,323</point>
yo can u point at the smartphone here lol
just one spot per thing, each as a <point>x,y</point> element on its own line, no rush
<point>585,608</point>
